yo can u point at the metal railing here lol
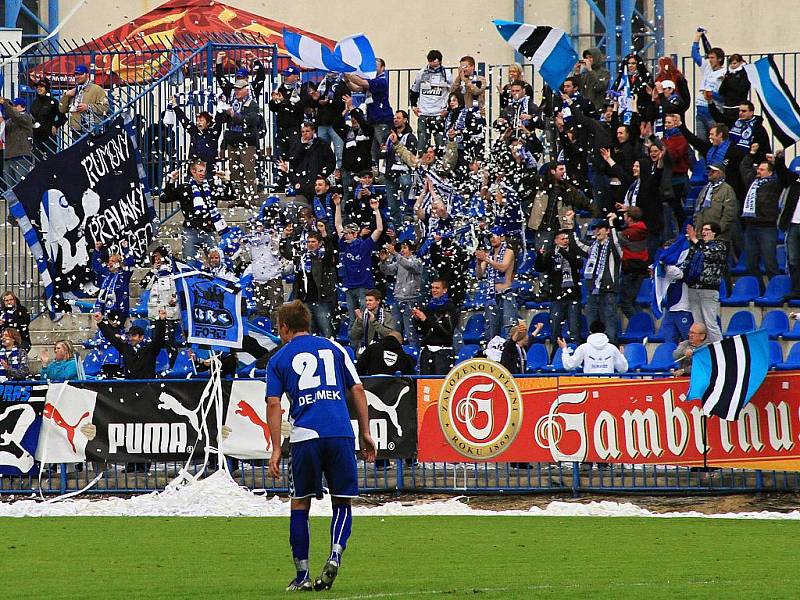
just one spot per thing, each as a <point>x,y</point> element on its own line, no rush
<point>409,476</point>
<point>142,89</point>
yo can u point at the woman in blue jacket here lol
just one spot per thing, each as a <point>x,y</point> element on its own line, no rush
<point>63,367</point>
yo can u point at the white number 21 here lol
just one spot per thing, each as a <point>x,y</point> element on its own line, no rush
<point>305,364</point>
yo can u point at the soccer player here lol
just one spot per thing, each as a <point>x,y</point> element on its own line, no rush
<point>317,375</point>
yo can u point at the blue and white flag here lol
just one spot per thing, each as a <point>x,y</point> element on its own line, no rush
<point>667,291</point>
<point>356,52</point>
<point>258,342</point>
<point>94,191</point>
<point>780,107</point>
<point>726,374</point>
<point>548,48</point>
<point>311,54</point>
<point>211,309</point>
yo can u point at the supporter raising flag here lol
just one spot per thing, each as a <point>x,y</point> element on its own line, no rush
<point>547,47</point>
<point>726,374</point>
<point>777,101</point>
<point>353,54</point>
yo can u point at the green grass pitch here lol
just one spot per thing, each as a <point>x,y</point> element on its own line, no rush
<point>402,557</point>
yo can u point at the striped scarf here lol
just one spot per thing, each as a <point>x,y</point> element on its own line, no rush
<point>632,195</point>
<point>596,265</point>
<point>203,204</point>
<point>710,188</point>
<point>749,210</point>
<point>12,357</point>
<point>493,275</point>
<point>716,154</point>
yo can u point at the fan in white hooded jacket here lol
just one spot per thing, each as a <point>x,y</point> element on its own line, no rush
<point>597,355</point>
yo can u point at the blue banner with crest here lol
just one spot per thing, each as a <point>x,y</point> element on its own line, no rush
<point>211,309</point>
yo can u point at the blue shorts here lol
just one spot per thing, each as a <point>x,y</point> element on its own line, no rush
<point>333,457</point>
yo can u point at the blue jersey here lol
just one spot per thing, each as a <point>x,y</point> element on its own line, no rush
<point>315,373</point>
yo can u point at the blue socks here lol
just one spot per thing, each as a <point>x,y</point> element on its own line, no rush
<point>341,525</point>
<point>299,539</point>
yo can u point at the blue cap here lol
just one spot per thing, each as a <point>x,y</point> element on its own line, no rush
<point>291,70</point>
<point>81,70</point>
<point>498,230</point>
<point>19,102</point>
<point>242,73</point>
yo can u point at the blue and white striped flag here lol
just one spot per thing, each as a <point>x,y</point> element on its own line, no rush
<point>666,291</point>
<point>726,374</point>
<point>780,107</point>
<point>311,54</point>
<point>356,52</point>
<point>548,48</point>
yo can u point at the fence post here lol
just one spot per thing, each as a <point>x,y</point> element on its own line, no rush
<point>576,479</point>
<point>400,483</point>
<point>759,481</point>
<point>62,479</point>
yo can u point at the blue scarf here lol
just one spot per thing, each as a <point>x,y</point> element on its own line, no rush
<point>203,204</point>
<point>596,266</point>
<point>671,132</point>
<point>749,210</point>
<point>11,357</point>
<point>710,188</point>
<point>323,212</point>
<point>437,303</point>
<point>716,154</point>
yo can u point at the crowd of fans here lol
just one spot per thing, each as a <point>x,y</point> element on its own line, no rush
<point>392,227</point>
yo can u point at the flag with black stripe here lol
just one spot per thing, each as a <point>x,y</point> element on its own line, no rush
<point>726,374</point>
<point>548,48</point>
<point>777,101</point>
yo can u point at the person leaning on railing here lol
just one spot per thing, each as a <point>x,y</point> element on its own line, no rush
<point>63,366</point>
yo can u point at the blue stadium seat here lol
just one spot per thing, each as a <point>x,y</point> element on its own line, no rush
<point>475,329</point>
<point>93,363</point>
<point>777,288</point>
<point>544,334</point>
<point>775,354</point>
<point>537,358</point>
<point>467,351</point>
<point>162,362</point>
<point>776,323</point>
<point>740,268</point>
<point>792,359</point>
<point>412,351</point>
<point>741,322</point>
<point>557,364</point>
<point>662,358</point>
<point>476,300</point>
<point>527,263</point>
<point>744,291</point>
<point>793,333</point>
<point>639,327</point>
<point>636,355</point>
<point>723,290</point>
<point>645,296</point>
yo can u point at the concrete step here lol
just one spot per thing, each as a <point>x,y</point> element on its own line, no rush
<point>48,338</point>
<point>71,322</point>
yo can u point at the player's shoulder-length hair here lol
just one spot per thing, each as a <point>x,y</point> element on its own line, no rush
<point>295,315</point>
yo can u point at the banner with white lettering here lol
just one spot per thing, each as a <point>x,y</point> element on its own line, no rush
<point>392,405</point>
<point>93,191</point>
<point>480,413</point>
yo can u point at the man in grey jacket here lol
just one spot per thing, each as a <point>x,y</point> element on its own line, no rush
<point>407,268</point>
<point>19,140</point>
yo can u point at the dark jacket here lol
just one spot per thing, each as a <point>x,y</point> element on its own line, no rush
<point>192,217</point>
<point>322,287</point>
<point>734,89</point>
<point>306,161</point>
<point>202,144</point>
<point>330,105</point>
<point>46,115</point>
<point>594,83</point>
<point>385,357</point>
<point>548,261</point>
<point>715,257</point>
<point>357,151</point>
<point>139,362</point>
<point>767,196</point>
<point>790,180</point>
<point>437,329</point>
<point>19,132</point>
<point>244,127</point>
<point>732,159</point>
<point>290,112</point>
